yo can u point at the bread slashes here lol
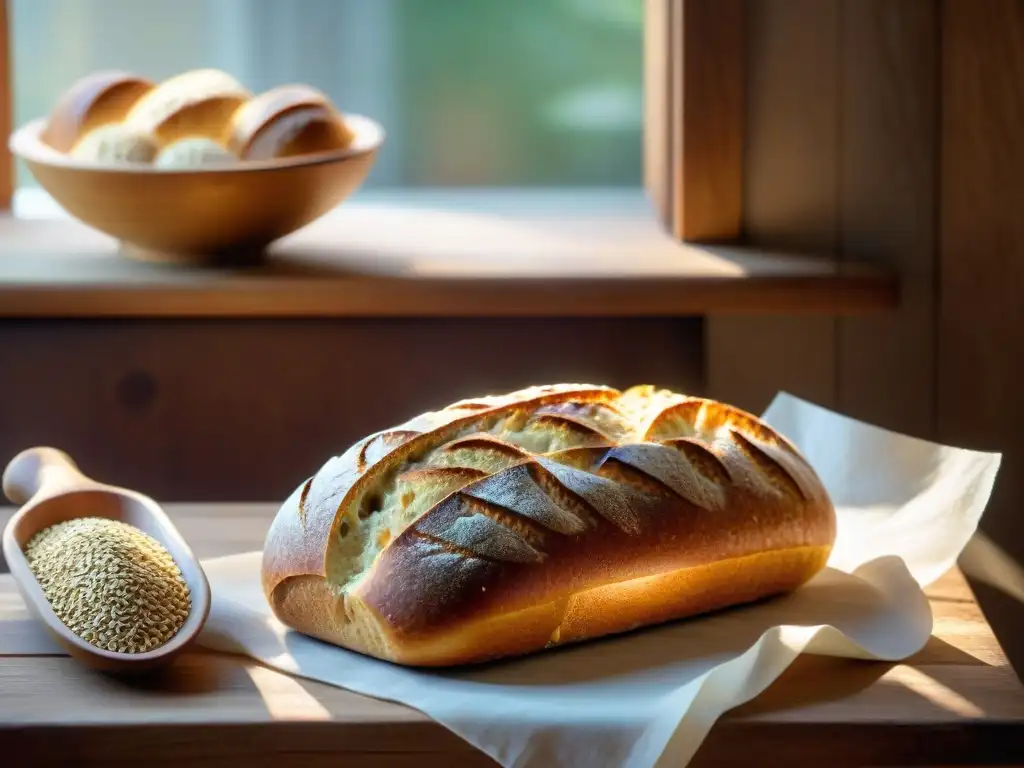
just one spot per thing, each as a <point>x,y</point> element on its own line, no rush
<point>504,525</point>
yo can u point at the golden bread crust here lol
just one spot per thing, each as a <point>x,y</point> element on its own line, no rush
<point>505,525</point>
<point>203,103</point>
<point>287,120</point>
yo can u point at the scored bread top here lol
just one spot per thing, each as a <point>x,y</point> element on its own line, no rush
<point>497,505</point>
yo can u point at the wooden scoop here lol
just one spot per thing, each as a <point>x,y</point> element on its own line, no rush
<point>51,489</point>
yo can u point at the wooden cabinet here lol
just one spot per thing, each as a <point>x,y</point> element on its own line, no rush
<point>245,410</point>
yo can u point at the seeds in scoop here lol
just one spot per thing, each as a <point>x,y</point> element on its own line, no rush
<point>110,583</point>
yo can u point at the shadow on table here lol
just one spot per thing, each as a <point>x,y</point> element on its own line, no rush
<point>813,680</point>
<point>189,674</point>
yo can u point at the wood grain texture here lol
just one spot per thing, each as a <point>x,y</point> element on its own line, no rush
<point>467,254</point>
<point>955,702</point>
<point>981,315</point>
<point>233,409</point>
<point>791,188</point>
<point>887,206</point>
<point>842,157</point>
<point>706,106</point>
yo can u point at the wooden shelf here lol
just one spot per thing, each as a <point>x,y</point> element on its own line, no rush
<point>468,253</point>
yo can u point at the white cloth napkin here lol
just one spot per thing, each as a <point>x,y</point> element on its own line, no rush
<point>906,509</point>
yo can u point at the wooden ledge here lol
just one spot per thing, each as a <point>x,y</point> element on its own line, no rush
<point>439,254</point>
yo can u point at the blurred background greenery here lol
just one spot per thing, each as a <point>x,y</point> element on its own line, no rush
<point>514,93</point>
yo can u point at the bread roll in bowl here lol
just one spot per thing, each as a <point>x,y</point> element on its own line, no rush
<point>92,102</point>
<point>195,152</point>
<point>505,525</point>
<point>116,144</point>
<point>198,103</point>
<point>287,121</point>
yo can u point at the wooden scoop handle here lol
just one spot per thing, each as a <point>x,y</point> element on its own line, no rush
<point>40,473</point>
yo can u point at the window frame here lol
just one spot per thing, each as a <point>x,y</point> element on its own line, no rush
<point>694,95</point>
<point>690,247</point>
<point>693,115</point>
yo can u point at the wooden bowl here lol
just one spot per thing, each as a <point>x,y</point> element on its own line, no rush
<point>51,490</point>
<point>213,214</point>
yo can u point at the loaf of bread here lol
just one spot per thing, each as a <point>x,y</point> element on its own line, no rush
<point>196,119</point>
<point>509,524</point>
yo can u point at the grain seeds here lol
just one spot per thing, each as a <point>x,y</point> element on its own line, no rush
<point>110,583</point>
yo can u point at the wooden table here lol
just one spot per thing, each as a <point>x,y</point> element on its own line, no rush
<point>956,702</point>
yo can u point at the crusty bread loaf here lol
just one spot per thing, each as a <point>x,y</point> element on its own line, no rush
<point>505,525</point>
<point>200,118</point>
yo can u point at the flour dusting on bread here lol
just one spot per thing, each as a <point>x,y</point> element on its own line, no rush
<point>501,525</point>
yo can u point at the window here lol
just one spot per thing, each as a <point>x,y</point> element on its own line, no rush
<point>631,98</point>
<point>472,92</point>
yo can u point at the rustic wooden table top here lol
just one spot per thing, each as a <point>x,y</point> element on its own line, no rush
<point>956,702</point>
